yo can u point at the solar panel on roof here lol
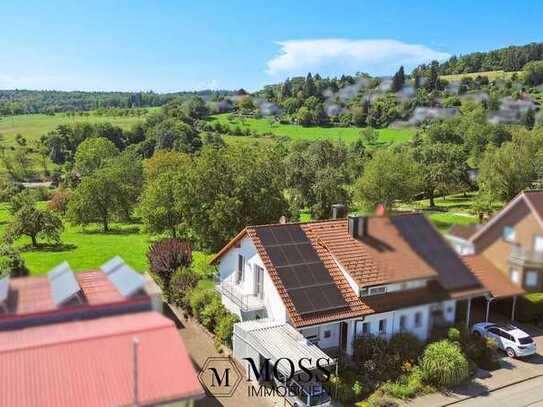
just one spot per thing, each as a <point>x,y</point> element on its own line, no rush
<point>127,281</point>
<point>4,288</point>
<point>300,269</point>
<point>111,265</point>
<point>64,287</point>
<point>62,268</point>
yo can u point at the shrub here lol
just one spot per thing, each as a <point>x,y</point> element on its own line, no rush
<point>59,200</point>
<point>225,328</point>
<point>443,364</point>
<point>211,313</point>
<point>198,298</point>
<point>182,282</point>
<point>407,386</point>
<point>166,256</point>
<point>407,346</point>
<point>11,262</point>
<point>529,307</point>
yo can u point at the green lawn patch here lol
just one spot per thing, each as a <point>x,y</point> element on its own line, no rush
<point>88,248</point>
<point>32,126</point>
<point>346,134</point>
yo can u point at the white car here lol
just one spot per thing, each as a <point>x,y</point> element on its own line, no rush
<point>509,338</point>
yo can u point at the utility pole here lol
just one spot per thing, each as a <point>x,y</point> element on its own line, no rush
<point>135,344</point>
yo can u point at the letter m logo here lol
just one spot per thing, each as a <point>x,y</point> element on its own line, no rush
<point>217,379</point>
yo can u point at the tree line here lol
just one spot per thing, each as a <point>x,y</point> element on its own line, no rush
<point>17,101</point>
<point>512,58</point>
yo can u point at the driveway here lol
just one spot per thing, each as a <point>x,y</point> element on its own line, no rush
<point>200,347</point>
<point>512,371</point>
<point>527,393</point>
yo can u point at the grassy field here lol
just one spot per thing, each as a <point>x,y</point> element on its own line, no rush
<point>88,248</point>
<point>32,126</point>
<point>491,75</point>
<point>346,134</point>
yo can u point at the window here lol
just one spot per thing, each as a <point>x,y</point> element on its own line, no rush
<point>366,328</point>
<point>494,331</point>
<point>531,278</point>
<point>240,275</point>
<point>327,334</point>
<point>378,290</point>
<point>525,340</point>
<point>515,276</point>
<point>403,322</point>
<point>418,319</point>
<point>538,244</point>
<point>509,234</point>
<point>382,326</point>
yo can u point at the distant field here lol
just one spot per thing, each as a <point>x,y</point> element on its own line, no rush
<point>492,75</point>
<point>32,126</point>
<point>346,134</point>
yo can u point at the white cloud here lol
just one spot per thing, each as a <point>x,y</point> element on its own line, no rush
<point>333,56</point>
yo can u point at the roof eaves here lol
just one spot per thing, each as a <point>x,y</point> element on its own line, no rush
<point>228,246</point>
<point>492,221</point>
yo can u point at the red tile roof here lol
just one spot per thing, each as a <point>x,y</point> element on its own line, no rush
<point>491,277</point>
<point>463,231</point>
<point>90,363</point>
<point>399,248</point>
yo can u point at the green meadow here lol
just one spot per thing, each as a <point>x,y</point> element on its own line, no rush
<point>293,131</point>
<point>32,126</point>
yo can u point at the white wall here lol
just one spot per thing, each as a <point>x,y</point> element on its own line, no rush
<point>275,309</point>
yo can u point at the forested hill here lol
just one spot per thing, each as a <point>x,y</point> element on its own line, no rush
<point>52,101</point>
<point>507,59</point>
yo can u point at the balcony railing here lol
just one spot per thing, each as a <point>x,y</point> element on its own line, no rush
<point>246,302</point>
<point>522,255</point>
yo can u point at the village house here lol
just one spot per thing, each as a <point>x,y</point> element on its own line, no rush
<point>512,241</point>
<point>93,338</point>
<point>331,281</point>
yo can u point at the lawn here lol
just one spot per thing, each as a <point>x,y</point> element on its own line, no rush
<point>491,75</point>
<point>88,248</point>
<point>346,134</point>
<point>32,126</point>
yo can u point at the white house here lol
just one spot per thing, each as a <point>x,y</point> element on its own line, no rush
<point>333,280</point>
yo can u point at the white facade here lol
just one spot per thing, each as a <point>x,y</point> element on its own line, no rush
<point>244,296</point>
<point>264,304</point>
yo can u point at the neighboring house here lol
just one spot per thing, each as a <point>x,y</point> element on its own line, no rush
<point>512,241</point>
<point>335,280</point>
<point>69,339</point>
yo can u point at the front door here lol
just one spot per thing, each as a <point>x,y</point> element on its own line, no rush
<point>343,337</point>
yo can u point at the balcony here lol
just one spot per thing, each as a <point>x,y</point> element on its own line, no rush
<point>524,257</point>
<point>245,302</point>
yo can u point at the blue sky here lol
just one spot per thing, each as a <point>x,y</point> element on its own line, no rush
<point>181,45</point>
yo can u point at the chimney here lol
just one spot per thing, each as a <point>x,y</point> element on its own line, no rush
<point>358,226</point>
<point>339,211</point>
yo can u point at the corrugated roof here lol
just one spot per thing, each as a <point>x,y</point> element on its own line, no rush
<point>280,341</point>
<point>90,363</point>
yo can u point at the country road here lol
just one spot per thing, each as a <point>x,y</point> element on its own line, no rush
<point>529,393</point>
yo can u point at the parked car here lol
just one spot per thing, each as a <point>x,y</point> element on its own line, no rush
<point>512,340</point>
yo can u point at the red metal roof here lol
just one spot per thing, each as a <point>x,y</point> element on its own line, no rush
<point>90,363</point>
<point>31,296</point>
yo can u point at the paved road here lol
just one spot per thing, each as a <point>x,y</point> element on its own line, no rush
<point>529,393</point>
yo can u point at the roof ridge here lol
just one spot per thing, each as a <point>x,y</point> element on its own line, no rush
<point>162,324</point>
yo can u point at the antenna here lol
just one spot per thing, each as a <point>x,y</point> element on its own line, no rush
<point>135,344</point>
